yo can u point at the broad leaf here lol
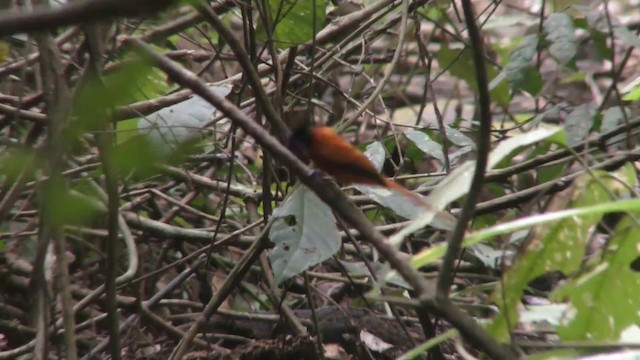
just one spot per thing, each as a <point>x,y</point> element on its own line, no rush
<point>179,123</point>
<point>457,137</point>
<point>551,314</point>
<point>578,123</point>
<point>69,207</point>
<point>632,94</point>
<point>519,72</point>
<point>595,289</point>
<point>613,117</point>
<point>488,256</point>
<point>377,154</point>
<point>559,246</point>
<point>424,143</point>
<point>304,234</point>
<point>559,31</point>
<point>19,162</point>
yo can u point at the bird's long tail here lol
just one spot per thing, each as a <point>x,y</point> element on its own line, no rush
<point>441,216</point>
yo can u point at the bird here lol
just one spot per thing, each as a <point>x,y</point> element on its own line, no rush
<point>332,154</point>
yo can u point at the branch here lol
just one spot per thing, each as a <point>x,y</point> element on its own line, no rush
<point>57,99</point>
<point>441,304</point>
<point>76,13</point>
<point>484,146</point>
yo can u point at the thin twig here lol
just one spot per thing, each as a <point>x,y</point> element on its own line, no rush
<point>105,142</point>
<point>388,71</point>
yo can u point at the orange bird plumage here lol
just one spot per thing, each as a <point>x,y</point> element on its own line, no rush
<point>348,165</point>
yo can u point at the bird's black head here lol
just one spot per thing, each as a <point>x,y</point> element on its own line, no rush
<point>300,141</point>
<point>302,136</point>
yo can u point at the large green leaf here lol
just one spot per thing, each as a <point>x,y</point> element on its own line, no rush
<point>135,154</point>
<point>304,234</point>
<point>457,137</point>
<point>605,299</point>
<point>96,98</point>
<point>632,94</point>
<point>293,21</point>
<point>558,246</point>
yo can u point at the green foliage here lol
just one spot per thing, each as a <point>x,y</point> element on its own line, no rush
<point>434,10</point>
<point>456,185</point>
<point>17,162</point>
<point>633,94</point>
<point>140,157</point>
<point>293,21</point>
<point>426,144</point>
<point>558,354</point>
<point>134,154</point>
<point>126,129</point>
<point>65,206</point>
<point>599,314</point>
<point>549,173</point>
<point>5,49</point>
<point>557,247</point>
<point>598,37</point>
<point>134,81</point>
<point>459,138</point>
<point>418,351</point>
<point>611,119</point>
<point>519,70</point>
<point>94,101</point>
<point>459,62</point>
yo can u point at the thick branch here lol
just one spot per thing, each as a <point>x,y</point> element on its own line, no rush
<point>75,13</point>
